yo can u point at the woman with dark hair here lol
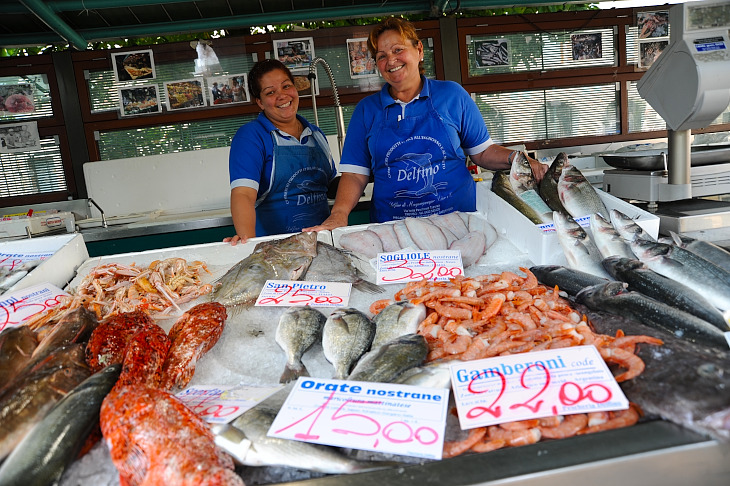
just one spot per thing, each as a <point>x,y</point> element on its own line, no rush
<point>413,138</point>
<point>280,165</point>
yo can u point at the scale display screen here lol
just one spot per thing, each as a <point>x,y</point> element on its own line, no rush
<point>702,17</point>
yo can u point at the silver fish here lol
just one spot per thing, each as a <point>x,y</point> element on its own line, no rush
<point>365,242</point>
<point>525,186</point>
<point>706,249</point>
<point>281,259</point>
<point>347,335</point>
<point>548,186</point>
<point>607,239</point>
<point>54,443</point>
<point>613,297</point>
<point>299,328</point>
<point>567,279</point>
<point>578,195</point>
<point>391,359</point>
<point>501,187</point>
<point>246,440</point>
<point>687,268</point>
<point>642,279</point>
<point>397,319</point>
<point>628,228</point>
<point>578,248</point>
<point>334,265</point>
<point>436,374</point>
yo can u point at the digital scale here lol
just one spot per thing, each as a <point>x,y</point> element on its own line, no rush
<point>689,87</point>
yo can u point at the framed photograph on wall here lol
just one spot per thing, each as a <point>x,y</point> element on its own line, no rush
<point>491,52</point>
<point>586,46</point>
<point>652,24</point>
<point>295,53</point>
<point>231,88</point>
<point>139,100</point>
<point>649,51</point>
<point>19,137</point>
<point>185,94</point>
<point>304,85</point>
<point>16,98</point>
<point>362,64</point>
<point>129,66</point>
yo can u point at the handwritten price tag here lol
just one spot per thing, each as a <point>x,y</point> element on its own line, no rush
<point>19,306</point>
<point>533,385</point>
<point>223,404</point>
<point>12,261</point>
<point>295,293</point>
<point>396,419</point>
<point>438,265</point>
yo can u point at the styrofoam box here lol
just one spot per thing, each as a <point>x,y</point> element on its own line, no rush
<point>38,224</point>
<point>540,241</point>
<point>67,251</point>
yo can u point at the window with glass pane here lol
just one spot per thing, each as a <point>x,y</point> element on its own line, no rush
<point>642,117</point>
<point>511,53</point>
<point>553,113</point>
<point>24,98</point>
<point>34,172</point>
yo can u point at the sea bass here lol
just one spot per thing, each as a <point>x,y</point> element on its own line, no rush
<point>682,382</point>
<point>567,279</point>
<point>247,441</point>
<point>548,187</point>
<point>628,228</point>
<point>45,453</point>
<point>642,279</point>
<point>687,268</point>
<point>607,239</point>
<point>397,319</point>
<point>299,328</point>
<point>705,249</point>
<point>388,361</point>
<point>334,265</point>
<point>193,334</point>
<point>16,346</point>
<point>577,246</point>
<point>346,336</point>
<point>33,394</point>
<point>282,259</point>
<point>578,195</point>
<point>525,186</point>
<point>613,297</point>
<point>502,188</point>
<point>154,439</point>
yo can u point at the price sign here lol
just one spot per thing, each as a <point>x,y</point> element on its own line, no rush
<point>13,261</point>
<point>19,306</point>
<point>408,266</point>
<point>223,404</point>
<point>294,293</point>
<point>396,419</point>
<point>533,385</point>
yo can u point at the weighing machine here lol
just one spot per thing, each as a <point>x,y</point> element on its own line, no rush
<point>689,87</point>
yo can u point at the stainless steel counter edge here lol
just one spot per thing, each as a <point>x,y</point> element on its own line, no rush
<point>653,453</point>
<point>144,228</point>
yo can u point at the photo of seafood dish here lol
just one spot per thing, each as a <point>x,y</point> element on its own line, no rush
<point>129,66</point>
<point>362,64</point>
<point>295,53</point>
<point>184,94</point>
<point>139,100</point>
<point>17,98</point>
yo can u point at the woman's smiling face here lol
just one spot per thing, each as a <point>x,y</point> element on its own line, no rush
<point>398,59</point>
<point>279,97</point>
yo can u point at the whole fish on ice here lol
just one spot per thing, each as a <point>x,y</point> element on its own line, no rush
<point>281,259</point>
<point>578,196</point>
<point>567,279</point>
<point>386,362</point>
<point>577,246</point>
<point>501,187</point>
<point>628,228</point>
<point>607,239</point>
<point>109,340</point>
<point>334,265</point>
<point>54,443</point>
<point>548,186</point>
<point>346,336</point>
<point>397,319</point>
<point>525,187</point>
<point>16,346</point>
<point>705,249</point>
<point>298,330</point>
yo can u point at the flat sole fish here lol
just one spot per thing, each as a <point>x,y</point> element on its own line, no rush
<point>45,453</point>
<point>281,259</point>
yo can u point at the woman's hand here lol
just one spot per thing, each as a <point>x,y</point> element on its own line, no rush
<point>233,240</point>
<point>334,221</point>
<point>538,170</point>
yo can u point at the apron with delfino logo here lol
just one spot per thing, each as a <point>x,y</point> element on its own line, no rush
<point>297,196</point>
<point>417,170</point>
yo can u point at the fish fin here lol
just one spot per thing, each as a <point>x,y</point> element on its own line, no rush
<point>291,374</point>
<point>726,316</point>
<point>368,287</point>
<point>676,239</point>
<point>135,466</point>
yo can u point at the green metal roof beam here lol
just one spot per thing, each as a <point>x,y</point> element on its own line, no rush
<point>48,17</point>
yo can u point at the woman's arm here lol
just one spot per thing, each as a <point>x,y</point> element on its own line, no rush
<point>349,191</point>
<point>496,157</point>
<point>243,213</point>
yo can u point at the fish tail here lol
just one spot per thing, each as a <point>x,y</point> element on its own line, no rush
<point>368,287</point>
<point>291,373</point>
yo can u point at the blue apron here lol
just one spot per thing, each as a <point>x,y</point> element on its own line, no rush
<point>297,194</point>
<point>417,171</point>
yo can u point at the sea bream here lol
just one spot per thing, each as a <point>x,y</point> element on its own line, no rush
<point>614,297</point>
<point>386,362</point>
<point>45,453</point>
<point>397,319</point>
<point>578,195</point>
<point>642,279</point>
<point>346,336</point>
<point>687,268</point>
<point>280,259</point>
<point>298,330</point>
